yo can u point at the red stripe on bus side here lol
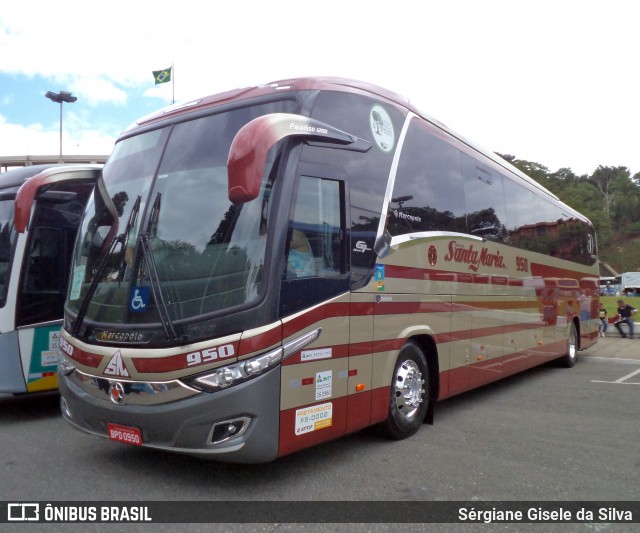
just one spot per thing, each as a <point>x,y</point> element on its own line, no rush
<point>537,270</point>
<point>85,358</point>
<point>155,365</point>
<point>260,342</point>
<point>426,274</point>
<point>337,351</point>
<point>331,310</point>
<point>547,271</point>
<point>397,308</point>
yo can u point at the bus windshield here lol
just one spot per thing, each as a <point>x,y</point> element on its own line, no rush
<point>160,239</point>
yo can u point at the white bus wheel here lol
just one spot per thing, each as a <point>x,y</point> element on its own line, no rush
<point>569,359</point>
<point>408,399</point>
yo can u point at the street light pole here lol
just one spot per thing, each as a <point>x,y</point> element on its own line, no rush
<point>62,96</point>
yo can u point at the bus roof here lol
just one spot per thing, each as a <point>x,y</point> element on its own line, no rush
<point>16,177</point>
<point>332,84</point>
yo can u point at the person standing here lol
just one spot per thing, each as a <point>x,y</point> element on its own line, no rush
<point>602,315</point>
<point>625,316</point>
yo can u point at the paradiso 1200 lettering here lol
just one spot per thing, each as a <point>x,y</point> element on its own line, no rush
<point>363,264</point>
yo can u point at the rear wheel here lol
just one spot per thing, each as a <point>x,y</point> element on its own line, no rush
<point>569,360</point>
<point>408,400</point>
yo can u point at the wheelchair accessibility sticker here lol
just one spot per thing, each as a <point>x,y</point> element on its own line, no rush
<point>139,299</point>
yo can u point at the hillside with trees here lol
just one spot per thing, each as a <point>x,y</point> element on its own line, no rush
<point>610,197</point>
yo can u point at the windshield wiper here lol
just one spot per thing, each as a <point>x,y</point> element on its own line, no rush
<point>154,279</point>
<point>123,238</point>
<point>84,305</point>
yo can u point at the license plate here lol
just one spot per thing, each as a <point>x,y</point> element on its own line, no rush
<point>126,434</point>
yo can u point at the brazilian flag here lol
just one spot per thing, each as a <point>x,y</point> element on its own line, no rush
<point>162,76</point>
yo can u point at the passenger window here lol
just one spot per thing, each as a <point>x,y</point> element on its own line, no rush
<point>549,219</point>
<point>428,193</point>
<point>316,253</point>
<point>521,221</point>
<point>315,232</point>
<point>484,197</point>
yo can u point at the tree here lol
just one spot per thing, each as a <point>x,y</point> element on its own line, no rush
<point>603,178</point>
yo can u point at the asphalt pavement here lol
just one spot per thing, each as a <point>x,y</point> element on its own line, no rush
<point>613,346</point>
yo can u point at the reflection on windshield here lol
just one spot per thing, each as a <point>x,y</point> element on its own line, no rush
<point>203,254</point>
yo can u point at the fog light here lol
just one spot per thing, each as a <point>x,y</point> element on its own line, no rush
<point>229,429</point>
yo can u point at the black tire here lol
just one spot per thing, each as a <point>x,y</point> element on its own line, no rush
<point>569,359</point>
<point>408,398</point>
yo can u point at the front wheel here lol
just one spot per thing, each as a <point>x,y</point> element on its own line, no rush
<point>569,359</point>
<point>409,399</point>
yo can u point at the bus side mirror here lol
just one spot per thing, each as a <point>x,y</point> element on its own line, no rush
<point>248,151</point>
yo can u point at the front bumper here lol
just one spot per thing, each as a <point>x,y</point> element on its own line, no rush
<point>184,424</point>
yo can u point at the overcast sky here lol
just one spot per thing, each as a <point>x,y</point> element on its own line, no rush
<point>556,82</point>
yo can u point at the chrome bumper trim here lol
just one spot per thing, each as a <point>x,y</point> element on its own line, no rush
<point>135,392</point>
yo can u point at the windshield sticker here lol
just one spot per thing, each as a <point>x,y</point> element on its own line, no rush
<point>313,418</point>
<point>76,282</point>
<point>382,128</point>
<point>139,299</point>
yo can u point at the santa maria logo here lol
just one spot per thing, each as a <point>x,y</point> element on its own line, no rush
<point>382,128</point>
<point>116,367</point>
<point>432,255</point>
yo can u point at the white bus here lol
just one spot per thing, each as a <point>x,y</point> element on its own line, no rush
<point>266,269</point>
<point>40,210</point>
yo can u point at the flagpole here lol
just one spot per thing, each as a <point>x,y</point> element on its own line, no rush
<point>173,84</point>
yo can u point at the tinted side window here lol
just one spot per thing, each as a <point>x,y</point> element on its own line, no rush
<point>521,222</point>
<point>549,219</point>
<point>484,195</point>
<point>576,241</point>
<point>428,194</point>
<point>315,232</point>
<point>316,253</point>
<point>47,260</point>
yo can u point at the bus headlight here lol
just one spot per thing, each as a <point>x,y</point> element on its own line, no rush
<point>227,376</point>
<point>236,373</point>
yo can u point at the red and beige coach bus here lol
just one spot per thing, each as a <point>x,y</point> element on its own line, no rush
<point>270,268</point>
<point>41,208</point>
